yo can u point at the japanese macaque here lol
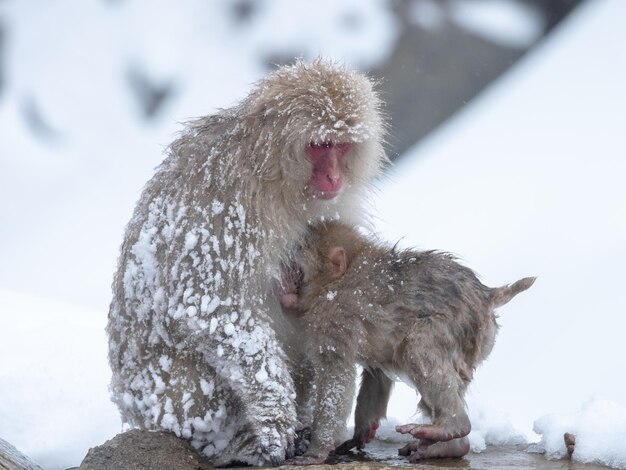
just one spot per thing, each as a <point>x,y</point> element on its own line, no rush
<point>198,342</point>
<point>417,315</point>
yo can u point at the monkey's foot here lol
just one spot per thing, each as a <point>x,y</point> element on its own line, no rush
<point>368,434</point>
<point>275,455</point>
<point>360,438</point>
<point>262,455</point>
<point>347,446</point>
<point>425,449</point>
<point>250,447</point>
<point>303,440</point>
<point>434,432</point>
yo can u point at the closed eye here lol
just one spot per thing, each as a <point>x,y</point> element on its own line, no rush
<point>321,145</point>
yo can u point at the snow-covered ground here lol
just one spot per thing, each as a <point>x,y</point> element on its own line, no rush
<point>54,374</point>
<point>527,180</point>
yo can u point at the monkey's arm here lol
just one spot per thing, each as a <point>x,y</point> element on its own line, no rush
<point>371,406</point>
<point>250,359</point>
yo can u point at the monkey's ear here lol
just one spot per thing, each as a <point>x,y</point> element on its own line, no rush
<point>338,261</point>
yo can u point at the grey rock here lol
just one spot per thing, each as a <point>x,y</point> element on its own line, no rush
<point>13,459</point>
<point>142,450</point>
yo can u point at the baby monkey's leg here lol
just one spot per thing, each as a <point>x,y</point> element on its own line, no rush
<point>444,397</point>
<point>371,407</point>
<point>442,390</point>
<point>425,449</point>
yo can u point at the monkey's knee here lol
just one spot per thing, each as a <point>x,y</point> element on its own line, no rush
<point>445,405</point>
<point>424,408</point>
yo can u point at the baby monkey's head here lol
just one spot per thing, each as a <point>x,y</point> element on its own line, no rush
<point>324,258</point>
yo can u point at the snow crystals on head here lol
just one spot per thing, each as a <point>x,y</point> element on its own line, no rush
<point>339,104</point>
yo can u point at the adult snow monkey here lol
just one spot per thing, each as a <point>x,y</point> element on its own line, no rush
<point>198,343</point>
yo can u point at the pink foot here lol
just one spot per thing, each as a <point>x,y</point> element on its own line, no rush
<point>422,450</point>
<point>432,432</point>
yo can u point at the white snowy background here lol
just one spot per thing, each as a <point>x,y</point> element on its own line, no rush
<point>527,180</point>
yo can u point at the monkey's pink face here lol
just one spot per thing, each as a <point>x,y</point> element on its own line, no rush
<point>329,160</point>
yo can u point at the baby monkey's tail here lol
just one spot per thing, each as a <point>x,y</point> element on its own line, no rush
<point>502,295</point>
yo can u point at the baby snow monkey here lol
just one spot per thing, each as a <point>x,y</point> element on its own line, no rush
<point>418,315</point>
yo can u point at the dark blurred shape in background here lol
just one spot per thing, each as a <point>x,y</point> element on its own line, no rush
<point>150,95</point>
<point>446,52</point>
<point>37,122</point>
<point>243,10</point>
<point>439,64</point>
<point>2,45</point>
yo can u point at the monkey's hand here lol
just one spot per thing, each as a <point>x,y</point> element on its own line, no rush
<point>287,291</point>
<point>256,445</point>
<point>362,436</point>
<point>282,446</point>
